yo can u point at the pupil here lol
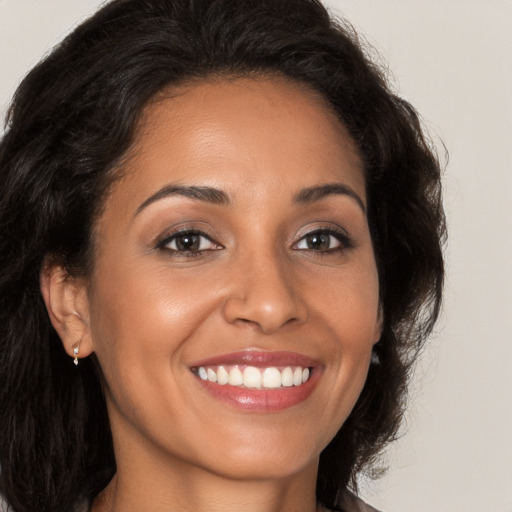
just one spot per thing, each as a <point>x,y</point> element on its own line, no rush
<point>318,241</point>
<point>187,242</point>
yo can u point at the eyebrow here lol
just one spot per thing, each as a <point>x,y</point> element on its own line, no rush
<point>207,194</point>
<point>312,194</point>
<point>216,196</point>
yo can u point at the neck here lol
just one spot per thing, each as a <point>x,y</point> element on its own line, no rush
<point>147,482</point>
<point>199,491</point>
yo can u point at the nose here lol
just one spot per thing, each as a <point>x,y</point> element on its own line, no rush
<point>265,293</point>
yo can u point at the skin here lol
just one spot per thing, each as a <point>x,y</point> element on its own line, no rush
<point>149,311</point>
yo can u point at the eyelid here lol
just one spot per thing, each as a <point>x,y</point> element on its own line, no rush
<point>166,239</point>
<point>346,241</point>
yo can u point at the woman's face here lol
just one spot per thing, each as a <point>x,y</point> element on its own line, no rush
<point>235,248</point>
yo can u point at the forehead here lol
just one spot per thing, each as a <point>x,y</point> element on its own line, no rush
<point>232,133</point>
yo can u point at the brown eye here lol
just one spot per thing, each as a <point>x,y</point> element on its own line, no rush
<point>188,242</point>
<point>319,241</point>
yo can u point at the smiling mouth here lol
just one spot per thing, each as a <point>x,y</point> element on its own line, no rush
<point>256,381</point>
<point>252,377</point>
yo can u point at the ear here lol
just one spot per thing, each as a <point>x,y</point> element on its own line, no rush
<point>67,304</point>
<point>379,325</point>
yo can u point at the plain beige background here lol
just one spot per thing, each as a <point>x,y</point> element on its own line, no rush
<point>453,60</point>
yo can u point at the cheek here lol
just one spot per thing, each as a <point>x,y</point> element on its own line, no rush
<point>350,306</point>
<point>140,317</point>
<point>351,315</point>
<point>140,325</point>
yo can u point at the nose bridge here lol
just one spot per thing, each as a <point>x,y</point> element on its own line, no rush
<point>264,291</point>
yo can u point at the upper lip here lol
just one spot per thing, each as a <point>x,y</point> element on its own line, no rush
<point>259,358</point>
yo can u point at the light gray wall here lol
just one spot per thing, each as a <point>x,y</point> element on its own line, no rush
<point>451,59</point>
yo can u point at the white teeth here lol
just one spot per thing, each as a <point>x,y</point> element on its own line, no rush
<point>271,378</point>
<point>212,376</point>
<point>287,377</point>
<point>222,376</point>
<point>252,377</point>
<point>297,377</point>
<point>255,378</point>
<point>235,377</point>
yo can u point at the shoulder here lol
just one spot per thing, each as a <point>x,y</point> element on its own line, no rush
<point>3,505</point>
<point>351,503</point>
<point>364,507</point>
<point>83,507</point>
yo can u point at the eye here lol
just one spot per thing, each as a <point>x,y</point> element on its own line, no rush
<point>324,240</point>
<point>188,242</point>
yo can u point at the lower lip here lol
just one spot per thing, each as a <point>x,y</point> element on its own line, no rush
<point>263,400</point>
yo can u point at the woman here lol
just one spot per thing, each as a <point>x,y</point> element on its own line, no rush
<point>223,217</point>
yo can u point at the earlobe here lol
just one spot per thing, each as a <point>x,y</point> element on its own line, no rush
<point>66,302</point>
<point>379,326</point>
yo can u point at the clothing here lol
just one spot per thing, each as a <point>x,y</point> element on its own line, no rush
<point>352,503</point>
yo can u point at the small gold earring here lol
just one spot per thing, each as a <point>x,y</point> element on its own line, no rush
<point>75,352</point>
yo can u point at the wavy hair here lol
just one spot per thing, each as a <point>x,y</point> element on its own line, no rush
<point>72,120</point>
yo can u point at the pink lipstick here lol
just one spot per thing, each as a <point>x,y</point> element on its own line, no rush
<point>259,381</point>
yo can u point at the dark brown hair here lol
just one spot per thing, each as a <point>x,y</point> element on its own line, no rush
<point>72,120</point>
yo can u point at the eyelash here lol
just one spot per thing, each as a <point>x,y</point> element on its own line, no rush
<point>181,234</point>
<point>345,242</point>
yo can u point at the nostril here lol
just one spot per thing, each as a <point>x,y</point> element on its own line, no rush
<point>265,299</point>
